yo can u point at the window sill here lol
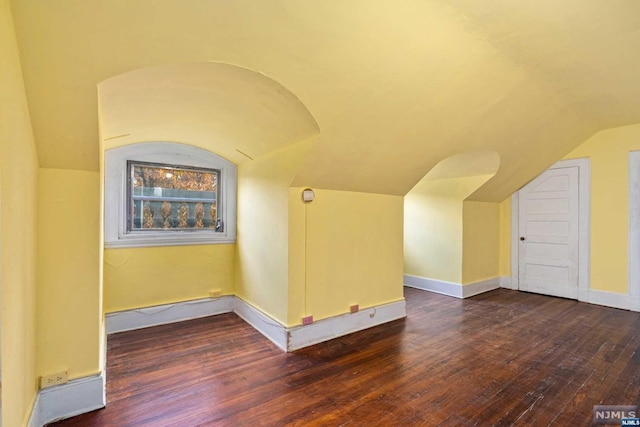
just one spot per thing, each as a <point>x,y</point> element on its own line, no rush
<point>168,239</point>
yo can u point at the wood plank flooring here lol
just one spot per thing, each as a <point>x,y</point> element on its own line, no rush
<point>501,358</point>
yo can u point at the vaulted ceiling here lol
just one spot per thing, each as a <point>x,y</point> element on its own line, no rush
<point>392,87</point>
<point>237,113</point>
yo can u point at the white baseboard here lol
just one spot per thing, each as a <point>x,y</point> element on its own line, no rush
<point>270,328</point>
<point>432,285</point>
<point>169,313</point>
<point>337,326</point>
<point>593,296</point>
<point>610,299</point>
<point>287,339</point>
<point>477,288</point>
<point>452,289</point>
<point>68,400</point>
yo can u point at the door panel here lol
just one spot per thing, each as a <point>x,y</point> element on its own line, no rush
<point>547,250</point>
<point>548,206</point>
<point>548,246</point>
<point>557,230</point>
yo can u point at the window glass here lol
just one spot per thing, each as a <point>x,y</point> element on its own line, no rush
<point>170,197</point>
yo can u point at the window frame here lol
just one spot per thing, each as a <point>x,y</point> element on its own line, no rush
<point>116,193</point>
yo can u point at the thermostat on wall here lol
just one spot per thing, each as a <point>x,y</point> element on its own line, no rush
<point>308,195</point>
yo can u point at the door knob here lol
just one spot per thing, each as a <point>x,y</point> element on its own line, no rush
<point>522,238</point>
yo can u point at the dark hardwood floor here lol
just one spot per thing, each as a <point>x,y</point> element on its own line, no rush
<point>501,358</point>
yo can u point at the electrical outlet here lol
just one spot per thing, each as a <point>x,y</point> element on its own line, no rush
<point>307,320</point>
<point>354,308</point>
<point>215,294</point>
<point>54,379</point>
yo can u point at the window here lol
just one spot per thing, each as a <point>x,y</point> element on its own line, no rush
<point>167,197</point>
<point>160,194</point>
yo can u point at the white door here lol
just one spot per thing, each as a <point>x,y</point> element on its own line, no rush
<point>548,249</point>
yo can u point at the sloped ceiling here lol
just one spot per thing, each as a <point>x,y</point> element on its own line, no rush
<point>395,86</point>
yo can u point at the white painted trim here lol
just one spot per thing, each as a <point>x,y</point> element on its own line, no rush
<point>634,231</point>
<point>451,289</point>
<point>515,246</point>
<point>477,288</point>
<point>68,400</point>
<point>270,328</point>
<point>169,313</point>
<point>115,190</point>
<point>287,339</point>
<point>609,299</point>
<point>584,227</point>
<point>337,326</point>
<point>433,285</point>
<point>505,282</point>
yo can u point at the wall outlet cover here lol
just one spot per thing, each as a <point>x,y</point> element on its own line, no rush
<point>54,379</point>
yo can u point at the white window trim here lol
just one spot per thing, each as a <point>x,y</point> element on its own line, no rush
<point>634,230</point>
<point>115,195</point>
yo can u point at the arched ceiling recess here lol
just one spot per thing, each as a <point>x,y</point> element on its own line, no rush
<point>232,111</point>
<point>471,163</point>
<point>460,175</point>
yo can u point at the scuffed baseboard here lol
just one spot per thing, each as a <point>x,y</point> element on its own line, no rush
<point>451,289</point>
<point>139,318</point>
<point>67,400</point>
<point>287,339</point>
<point>337,326</point>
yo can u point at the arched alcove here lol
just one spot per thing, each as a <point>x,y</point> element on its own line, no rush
<point>230,110</point>
<point>433,214</point>
<point>467,164</point>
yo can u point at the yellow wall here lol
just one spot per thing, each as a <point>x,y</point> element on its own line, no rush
<point>297,257</point>
<point>481,241</point>
<point>18,222</point>
<point>353,252</point>
<point>608,151</point>
<point>433,227</point>
<point>144,277</point>
<point>263,223</point>
<point>69,311</point>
